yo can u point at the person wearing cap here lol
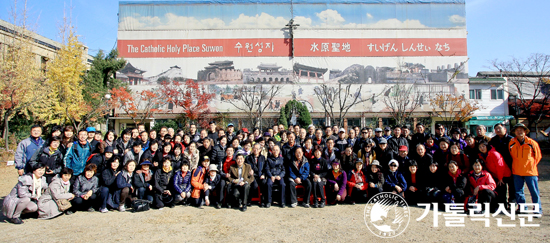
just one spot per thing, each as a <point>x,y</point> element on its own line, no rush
<point>241,177</point>
<point>419,137</point>
<point>387,133</point>
<point>142,181</point>
<point>481,132</point>
<point>357,184</point>
<point>377,135</point>
<point>526,156</point>
<point>383,154</point>
<point>394,180</point>
<point>91,137</point>
<point>375,179</point>
<point>403,159</point>
<point>318,171</point>
<point>182,184</point>
<point>197,181</point>
<point>348,159</point>
<point>257,161</point>
<point>500,142</point>
<point>412,192</point>
<point>395,142</point>
<point>341,143</point>
<point>213,187</point>
<point>336,184</point>
<point>456,137</point>
<point>275,172</point>
<point>298,174</point>
<point>164,196</point>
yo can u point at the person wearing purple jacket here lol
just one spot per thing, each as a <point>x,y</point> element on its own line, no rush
<point>336,184</point>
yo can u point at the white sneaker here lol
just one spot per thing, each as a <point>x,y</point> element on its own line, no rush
<point>161,208</point>
<point>104,210</point>
<point>293,205</point>
<point>121,208</point>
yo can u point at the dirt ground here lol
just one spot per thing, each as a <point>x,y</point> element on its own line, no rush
<point>342,223</point>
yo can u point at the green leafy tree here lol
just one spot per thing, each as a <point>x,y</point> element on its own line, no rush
<point>304,117</point>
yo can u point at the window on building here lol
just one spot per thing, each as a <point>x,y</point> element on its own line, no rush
<point>497,94</point>
<point>44,63</point>
<point>475,94</point>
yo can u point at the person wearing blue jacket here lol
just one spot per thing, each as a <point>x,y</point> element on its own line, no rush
<point>275,171</point>
<point>298,173</point>
<point>142,181</point>
<point>182,184</point>
<point>26,149</point>
<point>394,180</point>
<point>78,154</point>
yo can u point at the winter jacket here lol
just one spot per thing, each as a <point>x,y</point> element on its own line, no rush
<point>289,151</point>
<point>367,158</point>
<point>76,157</point>
<point>501,146</point>
<point>526,157</point>
<point>457,185</point>
<point>431,181</point>
<point>162,180</point>
<point>133,156</point>
<point>395,142</point>
<point>461,143</point>
<point>138,180</point>
<point>193,159</point>
<point>302,171</point>
<point>384,157</point>
<point>321,142</point>
<point>121,147</point>
<point>53,161</point>
<point>47,207</point>
<point>341,144</point>
<point>495,164</point>
<point>318,167</point>
<point>197,181</point>
<point>23,189</point>
<point>218,154</point>
<point>341,180</point>
<point>177,162</point>
<point>393,179</point>
<point>352,179</point>
<point>431,149</point>
<point>424,163</point>
<point>376,178</point>
<point>108,179</point>
<point>124,180</point>
<point>331,156</point>
<point>82,185</point>
<point>275,167</point>
<point>484,181</point>
<point>99,161</point>
<point>213,182</point>
<point>182,183</point>
<point>404,163</point>
<point>24,152</point>
<point>245,173</point>
<point>348,162</point>
<point>259,166</point>
<point>418,138</point>
<point>205,152</point>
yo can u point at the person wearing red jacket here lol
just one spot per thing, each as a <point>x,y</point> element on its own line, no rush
<point>526,156</point>
<point>497,167</point>
<point>357,183</point>
<point>481,184</point>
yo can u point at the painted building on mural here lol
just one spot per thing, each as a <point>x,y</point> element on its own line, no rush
<point>224,44</point>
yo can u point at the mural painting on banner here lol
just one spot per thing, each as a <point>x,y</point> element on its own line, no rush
<point>226,44</point>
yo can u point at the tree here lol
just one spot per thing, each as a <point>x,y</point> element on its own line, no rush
<point>529,86</point>
<point>453,108</point>
<point>190,96</point>
<point>254,100</point>
<point>337,100</point>
<point>139,106</point>
<point>22,83</point>
<point>303,117</point>
<point>402,100</point>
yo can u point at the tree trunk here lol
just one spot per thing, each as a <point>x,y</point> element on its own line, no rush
<point>6,129</point>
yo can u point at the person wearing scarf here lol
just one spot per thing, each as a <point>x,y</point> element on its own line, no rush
<point>143,181</point>
<point>357,183</point>
<point>454,184</point>
<point>24,196</point>
<point>163,196</point>
<point>336,184</point>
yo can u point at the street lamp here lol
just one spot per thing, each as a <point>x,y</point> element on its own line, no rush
<point>107,97</point>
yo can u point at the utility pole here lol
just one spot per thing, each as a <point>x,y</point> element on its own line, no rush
<point>291,27</point>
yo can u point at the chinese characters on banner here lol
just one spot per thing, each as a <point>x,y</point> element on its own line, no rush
<point>277,47</point>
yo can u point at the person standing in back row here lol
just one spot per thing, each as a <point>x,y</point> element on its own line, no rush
<point>26,149</point>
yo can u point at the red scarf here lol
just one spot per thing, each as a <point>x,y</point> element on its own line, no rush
<point>458,172</point>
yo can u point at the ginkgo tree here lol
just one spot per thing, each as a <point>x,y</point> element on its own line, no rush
<point>139,106</point>
<point>453,108</point>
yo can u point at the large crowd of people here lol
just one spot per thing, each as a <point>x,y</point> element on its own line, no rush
<point>85,170</point>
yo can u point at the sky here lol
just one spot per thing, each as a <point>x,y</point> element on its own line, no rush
<point>497,29</point>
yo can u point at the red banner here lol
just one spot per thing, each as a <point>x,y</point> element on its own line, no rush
<point>276,47</point>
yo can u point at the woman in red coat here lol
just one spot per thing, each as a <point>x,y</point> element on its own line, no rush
<point>497,167</point>
<point>481,184</point>
<point>357,183</point>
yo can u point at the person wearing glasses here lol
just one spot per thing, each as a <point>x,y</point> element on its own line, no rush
<point>440,132</point>
<point>394,180</point>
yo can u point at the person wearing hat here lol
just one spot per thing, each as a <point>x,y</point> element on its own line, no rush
<point>213,183</point>
<point>91,137</point>
<point>394,180</point>
<point>403,159</point>
<point>457,138</point>
<point>383,154</point>
<point>375,179</point>
<point>142,181</point>
<point>526,156</point>
<point>198,177</point>
<point>341,143</point>
<point>387,133</point>
<point>377,135</point>
<point>230,132</point>
<point>395,142</point>
<point>336,184</point>
<point>357,184</point>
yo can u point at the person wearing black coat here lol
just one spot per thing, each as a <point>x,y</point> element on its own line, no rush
<point>453,184</point>
<point>348,159</point>
<point>318,169</point>
<point>275,172</point>
<point>142,181</point>
<point>177,157</point>
<point>383,154</point>
<point>414,187</point>
<point>163,177</point>
<point>423,159</point>
<point>108,185</point>
<point>218,152</point>
<point>53,161</point>
<point>432,184</point>
<point>375,178</point>
<point>258,163</point>
<point>124,142</point>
